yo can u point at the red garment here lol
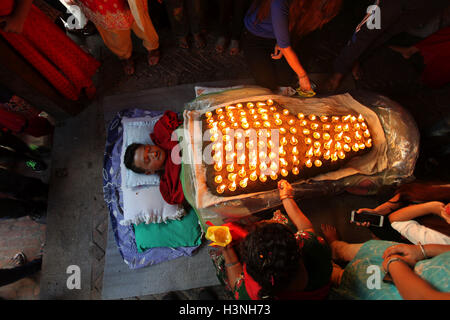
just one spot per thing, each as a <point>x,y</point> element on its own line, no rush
<point>17,123</point>
<point>60,60</point>
<point>436,54</point>
<point>6,7</point>
<point>252,287</point>
<point>110,15</point>
<point>170,183</point>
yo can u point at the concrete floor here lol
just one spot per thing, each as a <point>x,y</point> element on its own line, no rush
<point>77,216</point>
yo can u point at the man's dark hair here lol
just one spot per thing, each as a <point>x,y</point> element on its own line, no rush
<point>128,159</point>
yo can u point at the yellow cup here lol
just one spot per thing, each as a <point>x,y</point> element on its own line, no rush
<point>219,235</point>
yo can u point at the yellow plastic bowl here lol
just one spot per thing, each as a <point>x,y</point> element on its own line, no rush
<point>220,236</point>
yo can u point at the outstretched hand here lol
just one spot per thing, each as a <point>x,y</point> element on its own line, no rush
<point>445,212</point>
<point>277,54</point>
<point>286,190</point>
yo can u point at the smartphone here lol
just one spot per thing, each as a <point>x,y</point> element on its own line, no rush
<point>375,220</point>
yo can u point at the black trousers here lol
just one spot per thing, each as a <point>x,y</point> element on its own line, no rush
<point>267,72</point>
<point>8,276</point>
<point>14,209</point>
<point>13,149</point>
<point>185,16</point>
<point>21,187</point>
<point>396,17</point>
<point>232,11</point>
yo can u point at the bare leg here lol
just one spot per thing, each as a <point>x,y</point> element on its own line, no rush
<point>340,250</point>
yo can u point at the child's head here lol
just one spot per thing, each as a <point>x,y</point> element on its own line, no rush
<point>272,256</point>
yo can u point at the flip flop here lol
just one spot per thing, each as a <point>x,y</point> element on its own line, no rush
<point>128,66</point>
<point>220,45</point>
<point>183,43</point>
<point>234,47</point>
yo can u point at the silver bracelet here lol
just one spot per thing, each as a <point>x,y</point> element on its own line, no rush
<point>423,250</point>
<point>390,261</point>
<point>227,265</point>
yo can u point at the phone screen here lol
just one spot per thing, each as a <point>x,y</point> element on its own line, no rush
<point>374,219</point>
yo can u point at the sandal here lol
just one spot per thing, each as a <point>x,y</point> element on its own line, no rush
<point>19,259</point>
<point>128,66</point>
<point>220,45</point>
<point>234,47</point>
<point>153,57</point>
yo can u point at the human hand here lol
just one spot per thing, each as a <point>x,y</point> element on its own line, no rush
<point>277,54</point>
<point>445,213</point>
<point>386,261</point>
<point>12,23</point>
<point>304,83</point>
<point>409,253</point>
<point>286,190</point>
<point>440,209</point>
<point>367,223</point>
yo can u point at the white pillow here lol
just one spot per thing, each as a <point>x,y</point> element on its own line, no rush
<point>137,130</point>
<point>146,204</point>
<point>142,200</point>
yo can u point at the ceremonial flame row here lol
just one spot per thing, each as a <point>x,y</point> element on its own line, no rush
<point>252,143</point>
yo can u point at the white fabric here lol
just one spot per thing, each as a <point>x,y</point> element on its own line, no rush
<point>143,202</point>
<point>415,232</point>
<point>146,204</point>
<point>137,130</point>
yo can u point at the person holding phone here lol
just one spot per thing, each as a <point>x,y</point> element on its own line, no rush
<point>419,212</point>
<point>385,270</point>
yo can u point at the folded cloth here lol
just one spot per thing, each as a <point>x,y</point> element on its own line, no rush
<point>185,232</point>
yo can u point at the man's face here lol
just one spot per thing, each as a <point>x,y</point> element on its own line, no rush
<point>150,158</point>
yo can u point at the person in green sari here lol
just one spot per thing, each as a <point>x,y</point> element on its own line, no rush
<point>385,270</point>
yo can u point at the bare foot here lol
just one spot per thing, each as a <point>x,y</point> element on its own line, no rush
<point>329,232</point>
<point>334,82</point>
<point>220,45</point>
<point>199,41</point>
<point>356,71</point>
<point>153,57</point>
<point>128,66</point>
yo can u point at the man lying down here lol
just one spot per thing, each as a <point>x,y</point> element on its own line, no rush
<point>149,159</point>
